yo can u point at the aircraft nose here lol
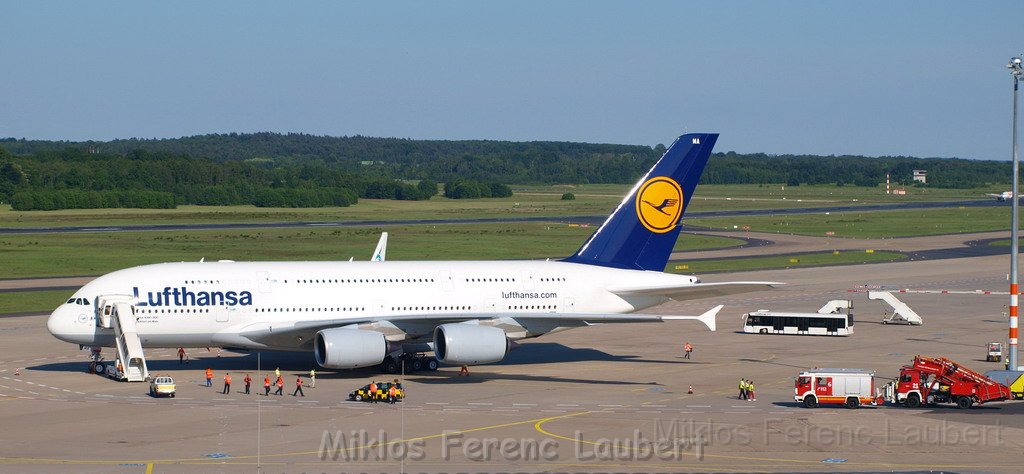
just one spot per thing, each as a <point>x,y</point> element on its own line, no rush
<point>61,323</point>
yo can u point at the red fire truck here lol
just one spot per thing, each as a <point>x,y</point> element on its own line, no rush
<point>849,387</point>
<point>939,380</point>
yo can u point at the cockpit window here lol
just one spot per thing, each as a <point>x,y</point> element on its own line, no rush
<point>71,301</point>
<point>85,301</point>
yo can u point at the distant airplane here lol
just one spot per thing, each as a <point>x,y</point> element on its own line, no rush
<point>382,248</point>
<point>359,314</point>
<point>1003,196</point>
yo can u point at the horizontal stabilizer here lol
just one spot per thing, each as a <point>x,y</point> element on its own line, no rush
<point>708,318</point>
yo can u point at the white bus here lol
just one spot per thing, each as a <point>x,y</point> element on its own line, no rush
<point>810,324</point>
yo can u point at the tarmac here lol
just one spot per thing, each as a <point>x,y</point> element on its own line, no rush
<point>607,398</point>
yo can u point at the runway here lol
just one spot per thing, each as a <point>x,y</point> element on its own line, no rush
<point>594,399</point>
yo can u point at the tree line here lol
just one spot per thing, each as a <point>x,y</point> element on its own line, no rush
<point>298,170</point>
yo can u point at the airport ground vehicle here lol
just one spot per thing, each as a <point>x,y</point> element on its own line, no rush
<point>833,319</point>
<point>935,380</point>
<point>162,386</point>
<point>995,352</point>
<point>362,394</point>
<point>848,387</point>
<point>1011,378</point>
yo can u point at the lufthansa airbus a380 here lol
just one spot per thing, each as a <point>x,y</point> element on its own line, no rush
<point>360,314</point>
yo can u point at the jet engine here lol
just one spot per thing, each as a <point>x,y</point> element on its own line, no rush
<point>458,343</point>
<point>341,348</point>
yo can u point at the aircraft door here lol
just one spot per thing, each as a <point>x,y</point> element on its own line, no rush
<point>569,305</point>
<point>224,313</point>
<point>264,281</point>
<point>528,281</point>
<point>446,280</point>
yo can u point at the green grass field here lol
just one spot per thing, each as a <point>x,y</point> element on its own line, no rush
<point>529,201</point>
<point>32,301</point>
<point>782,261</point>
<point>878,224</point>
<point>97,253</point>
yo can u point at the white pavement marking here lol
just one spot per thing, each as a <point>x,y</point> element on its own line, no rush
<point>524,404</point>
<point>479,403</point>
<point>698,406</point>
<point>609,406</point>
<point>567,405</point>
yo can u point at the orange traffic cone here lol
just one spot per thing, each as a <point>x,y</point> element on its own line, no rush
<point>690,390</point>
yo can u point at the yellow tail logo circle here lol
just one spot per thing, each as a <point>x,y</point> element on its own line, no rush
<point>659,203</point>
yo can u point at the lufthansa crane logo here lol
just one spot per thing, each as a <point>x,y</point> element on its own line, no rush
<point>659,203</point>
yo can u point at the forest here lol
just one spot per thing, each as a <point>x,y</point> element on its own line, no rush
<point>299,170</point>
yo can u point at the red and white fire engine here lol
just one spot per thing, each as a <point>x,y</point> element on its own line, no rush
<point>848,387</point>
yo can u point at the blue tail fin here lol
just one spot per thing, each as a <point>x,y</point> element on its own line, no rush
<point>641,232</point>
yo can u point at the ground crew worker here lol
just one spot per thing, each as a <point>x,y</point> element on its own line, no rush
<point>277,372</point>
<point>393,394</point>
<point>266,385</point>
<point>209,377</point>
<point>750,391</point>
<point>464,371</point>
<point>227,384</point>
<point>248,381</point>
<point>181,355</point>
<point>743,389</point>
<point>687,349</point>
<point>298,387</point>
<point>373,391</point>
<point>280,386</point>
<point>312,378</point>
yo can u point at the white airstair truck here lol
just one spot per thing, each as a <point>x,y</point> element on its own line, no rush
<point>118,313</point>
<point>901,313</point>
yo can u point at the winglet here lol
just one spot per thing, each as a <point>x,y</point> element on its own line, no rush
<point>708,318</point>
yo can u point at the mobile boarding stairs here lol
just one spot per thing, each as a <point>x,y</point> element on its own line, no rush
<point>117,312</point>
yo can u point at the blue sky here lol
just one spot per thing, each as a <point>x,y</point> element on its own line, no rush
<point>921,78</point>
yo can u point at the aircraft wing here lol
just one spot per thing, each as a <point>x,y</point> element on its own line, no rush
<point>299,334</point>
<point>695,291</point>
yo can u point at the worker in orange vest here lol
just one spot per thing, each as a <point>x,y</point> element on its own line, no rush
<point>209,377</point>
<point>373,392</point>
<point>248,381</point>
<point>227,384</point>
<point>266,385</point>
<point>280,386</point>
<point>464,371</point>
<point>298,387</point>
<point>393,394</point>
<point>687,349</point>
<point>181,355</point>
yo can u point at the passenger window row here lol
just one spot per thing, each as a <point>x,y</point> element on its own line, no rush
<point>310,310</point>
<point>430,308</point>
<point>364,280</point>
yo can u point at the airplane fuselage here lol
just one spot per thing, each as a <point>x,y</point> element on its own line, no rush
<point>202,304</point>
